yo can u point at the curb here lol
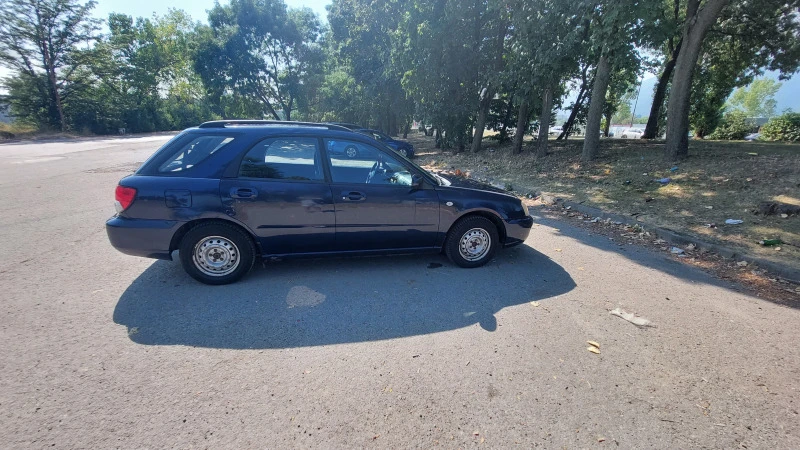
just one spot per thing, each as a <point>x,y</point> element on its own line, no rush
<point>679,239</point>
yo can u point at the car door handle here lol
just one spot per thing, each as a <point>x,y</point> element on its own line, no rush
<point>244,193</point>
<point>353,196</point>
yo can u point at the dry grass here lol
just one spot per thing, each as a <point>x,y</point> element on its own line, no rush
<point>719,181</point>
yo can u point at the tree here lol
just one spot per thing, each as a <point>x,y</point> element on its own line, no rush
<point>258,49</point>
<point>756,100</point>
<point>365,44</point>
<point>441,65</point>
<point>666,35</point>
<point>548,40</point>
<point>618,28</point>
<point>751,36</point>
<point>40,41</point>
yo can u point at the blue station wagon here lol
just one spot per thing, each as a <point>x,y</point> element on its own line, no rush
<point>227,193</point>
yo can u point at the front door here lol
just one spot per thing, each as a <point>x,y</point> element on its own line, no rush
<point>376,208</point>
<point>281,194</point>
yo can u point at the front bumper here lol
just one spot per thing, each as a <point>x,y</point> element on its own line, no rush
<point>140,237</point>
<point>517,230</point>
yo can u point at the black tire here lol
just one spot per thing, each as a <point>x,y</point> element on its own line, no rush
<point>223,245</point>
<point>351,151</point>
<point>473,231</point>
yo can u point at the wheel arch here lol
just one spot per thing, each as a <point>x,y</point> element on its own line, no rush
<point>181,232</point>
<point>493,217</point>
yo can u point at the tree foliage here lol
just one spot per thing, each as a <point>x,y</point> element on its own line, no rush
<point>259,50</point>
<point>41,42</point>
<point>757,99</point>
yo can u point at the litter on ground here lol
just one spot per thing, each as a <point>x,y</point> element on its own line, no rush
<point>632,318</point>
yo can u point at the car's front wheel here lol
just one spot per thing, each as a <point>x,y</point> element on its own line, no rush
<point>217,253</point>
<point>472,242</point>
<point>403,152</point>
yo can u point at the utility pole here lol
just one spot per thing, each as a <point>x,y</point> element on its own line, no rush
<point>633,112</point>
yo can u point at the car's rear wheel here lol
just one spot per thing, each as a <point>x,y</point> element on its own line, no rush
<point>472,242</point>
<point>624,136</point>
<point>217,253</point>
<point>351,151</point>
<point>403,152</point>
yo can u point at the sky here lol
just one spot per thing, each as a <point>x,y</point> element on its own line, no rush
<point>195,8</point>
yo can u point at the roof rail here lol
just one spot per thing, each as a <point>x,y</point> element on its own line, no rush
<point>225,123</point>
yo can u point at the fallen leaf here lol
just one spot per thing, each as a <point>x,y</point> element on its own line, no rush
<point>535,304</point>
<point>558,249</point>
<point>593,344</point>
<point>593,350</point>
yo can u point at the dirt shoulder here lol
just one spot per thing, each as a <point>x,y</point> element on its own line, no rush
<point>719,181</point>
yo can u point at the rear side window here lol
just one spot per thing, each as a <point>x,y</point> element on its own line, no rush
<point>294,158</point>
<point>192,152</point>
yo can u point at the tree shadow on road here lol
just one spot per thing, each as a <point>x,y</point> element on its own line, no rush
<point>333,301</point>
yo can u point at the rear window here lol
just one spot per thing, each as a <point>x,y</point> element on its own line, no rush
<point>292,158</point>
<point>192,152</point>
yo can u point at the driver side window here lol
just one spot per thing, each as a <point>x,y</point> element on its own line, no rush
<point>354,162</point>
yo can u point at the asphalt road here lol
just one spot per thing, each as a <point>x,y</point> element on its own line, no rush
<point>103,350</point>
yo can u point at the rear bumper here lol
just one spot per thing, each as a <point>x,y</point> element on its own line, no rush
<point>517,230</point>
<point>138,237</point>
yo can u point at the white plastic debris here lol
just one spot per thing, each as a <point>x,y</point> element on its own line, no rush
<point>632,318</point>
<point>734,222</point>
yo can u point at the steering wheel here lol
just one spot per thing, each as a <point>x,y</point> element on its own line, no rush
<point>372,172</point>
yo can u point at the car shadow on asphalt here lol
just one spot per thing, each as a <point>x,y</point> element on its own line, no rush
<point>333,301</point>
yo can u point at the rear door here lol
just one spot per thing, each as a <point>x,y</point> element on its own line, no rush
<point>376,207</point>
<point>281,194</point>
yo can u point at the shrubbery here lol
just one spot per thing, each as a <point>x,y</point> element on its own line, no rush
<point>734,127</point>
<point>785,127</point>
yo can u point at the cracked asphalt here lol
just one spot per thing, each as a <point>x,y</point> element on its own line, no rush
<point>103,350</point>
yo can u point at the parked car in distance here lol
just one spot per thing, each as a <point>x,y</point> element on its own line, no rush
<point>752,137</point>
<point>558,129</point>
<point>403,147</point>
<point>229,193</point>
<point>631,133</point>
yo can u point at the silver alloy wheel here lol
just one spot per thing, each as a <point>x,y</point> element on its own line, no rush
<point>351,152</point>
<point>474,244</point>
<point>216,256</point>
<point>403,152</point>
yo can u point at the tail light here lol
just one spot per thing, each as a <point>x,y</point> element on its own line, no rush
<point>124,196</point>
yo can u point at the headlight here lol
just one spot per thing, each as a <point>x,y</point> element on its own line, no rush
<point>525,209</point>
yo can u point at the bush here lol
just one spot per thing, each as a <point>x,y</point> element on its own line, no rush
<point>734,127</point>
<point>782,128</point>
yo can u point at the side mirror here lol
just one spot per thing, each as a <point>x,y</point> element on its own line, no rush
<point>416,182</point>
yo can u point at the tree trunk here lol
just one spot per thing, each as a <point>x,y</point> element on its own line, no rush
<point>504,128</point>
<point>438,138</point>
<point>698,21</point>
<point>607,126</point>
<point>573,114</point>
<point>651,130</point>
<point>592,139</point>
<point>522,125</point>
<point>544,123</point>
<point>480,125</point>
